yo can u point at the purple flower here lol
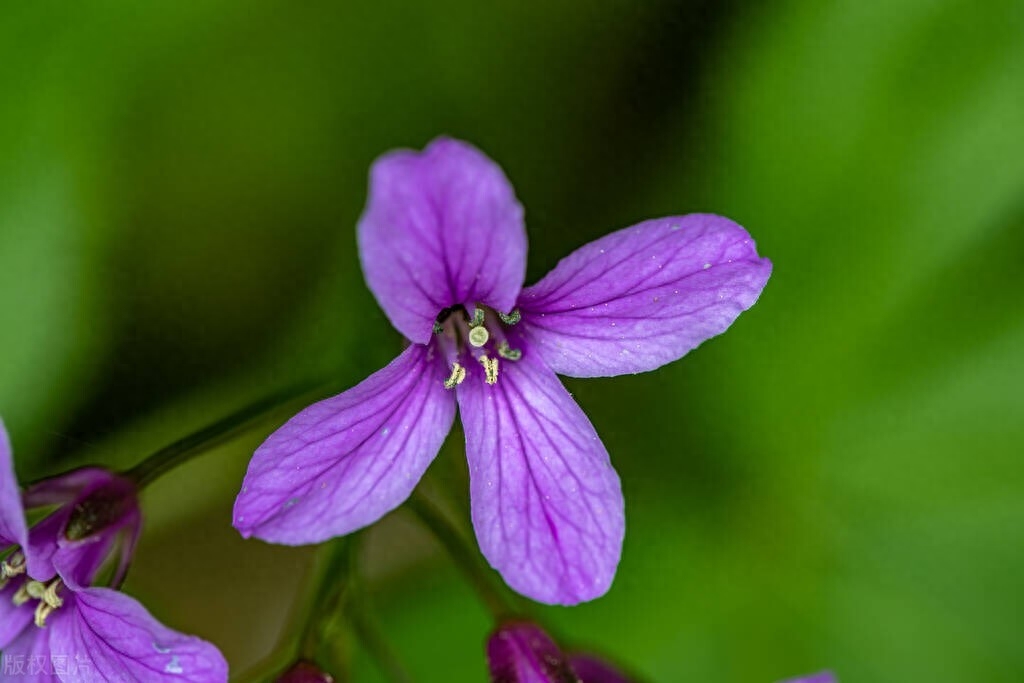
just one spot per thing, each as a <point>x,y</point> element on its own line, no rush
<point>53,623</point>
<point>443,248</point>
<point>521,652</point>
<point>305,672</point>
<point>821,677</point>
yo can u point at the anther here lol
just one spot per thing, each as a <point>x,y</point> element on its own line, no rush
<point>12,566</point>
<point>490,369</point>
<point>508,353</point>
<point>21,596</point>
<point>478,317</point>
<point>50,596</point>
<point>42,612</point>
<point>438,328</point>
<point>456,378</point>
<point>511,318</point>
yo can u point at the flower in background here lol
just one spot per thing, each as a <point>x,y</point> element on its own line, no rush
<point>821,677</point>
<point>443,248</point>
<point>53,623</point>
<point>305,672</point>
<point>521,652</point>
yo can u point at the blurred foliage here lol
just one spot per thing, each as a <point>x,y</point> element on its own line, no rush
<point>833,483</point>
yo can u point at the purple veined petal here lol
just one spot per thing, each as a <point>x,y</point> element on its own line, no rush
<point>524,653</point>
<point>643,296</point>
<point>43,543</point>
<point>13,530</point>
<point>65,487</point>
<point>120,641</point>
<point>13,618</point>
<point>441,227</point>
<point>820,677</point>
<point>547,505</point>
<point>26,659</point>
<point>591,669</point>
<point>345,462</point>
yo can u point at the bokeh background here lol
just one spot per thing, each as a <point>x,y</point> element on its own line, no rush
<point>835,482</point>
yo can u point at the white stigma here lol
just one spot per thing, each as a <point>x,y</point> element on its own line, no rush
<point>478,336</point>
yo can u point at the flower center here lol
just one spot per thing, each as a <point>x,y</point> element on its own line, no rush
<point>479,338</point>
<point>46,593</point>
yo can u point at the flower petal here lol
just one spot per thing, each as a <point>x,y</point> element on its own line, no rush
<point>441,227</point>
<point>547,505</point>
<point>523,653</point>
<point>27,658</point>
<point>346,461</point>
<point>591,669</point>
<point>644,296</point>
<point>13,618</point>
<point>124,642</point>
<point>820,677</point>
<point>13,530</point>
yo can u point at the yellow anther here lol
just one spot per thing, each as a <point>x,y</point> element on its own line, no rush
<point>21,596</point>
<point>50,596</point>
<point>43,611</point>
<point>508,353</point>
<point>456,378</point>
<point>490,369</point>
<point>12,566</point>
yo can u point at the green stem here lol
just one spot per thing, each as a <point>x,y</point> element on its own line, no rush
<point>334,586</point>
<point>183,450</point>
<point>467,560</point>
<point>376,645</point>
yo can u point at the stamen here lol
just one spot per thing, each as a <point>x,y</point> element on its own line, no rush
<point>438,327</point>
<point>511,318</point>
<point>50,596</point>
<point>478,316</point>
<point>42,612</point>
<point>490,369</point>
<point>508,353</point>
<point>11,567</point>
<point>21,596</point>
<point>457,377</point>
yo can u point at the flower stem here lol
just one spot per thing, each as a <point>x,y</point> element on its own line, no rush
<point>183,450</point>
<point>462,554</point>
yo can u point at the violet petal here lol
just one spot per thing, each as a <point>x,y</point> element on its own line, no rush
<point>441,227</point>
<point>820,677</point>
<point>13,618</point>
<point>125,643</point>
<point>345,462</point>
<point>591,669</point>
<point>28,657</point>
<point>643,296</point>
<point>523,653</point>
<point>13,530</point>
<point>547,505</point>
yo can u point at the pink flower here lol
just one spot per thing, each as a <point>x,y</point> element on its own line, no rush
<point>53,623</point>
<point>443,248</point>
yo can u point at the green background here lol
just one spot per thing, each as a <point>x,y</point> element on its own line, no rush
<point>836,482</point>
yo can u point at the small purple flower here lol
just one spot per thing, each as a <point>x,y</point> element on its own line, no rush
<point>443,249</point>
<point>305,672</point>
<point>52,620</point>
<point>521,652</point>
<point>821,677</point>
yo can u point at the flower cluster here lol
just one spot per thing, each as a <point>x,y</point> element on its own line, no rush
<point>443,248</point>
<point>53,620</point>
